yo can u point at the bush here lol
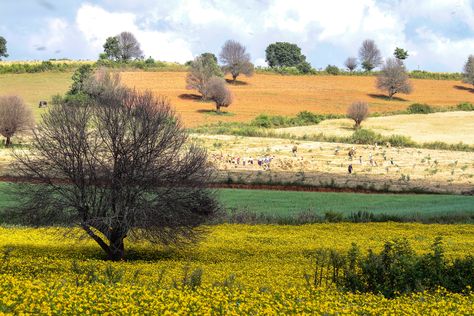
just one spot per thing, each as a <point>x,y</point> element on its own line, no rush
<point>396,270</point>
<point>366,136</point>
<point>418,108</point>
<point>304,67</point>
<point>466,106</point>
<point>332,70</point>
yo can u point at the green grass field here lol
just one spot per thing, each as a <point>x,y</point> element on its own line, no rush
<point>35,87</point>
<point>287,203</point>
<point>283,203</point>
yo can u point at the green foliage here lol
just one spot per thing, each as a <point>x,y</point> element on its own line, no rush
<point>284,54</point>
<point>465,106</point>
<point>3,47</point>
<point>304,67</point>
<point>418,108</point>
<point>366,136</point>
<point>396,269</point>
<point>209,56</point>
<point>422,74</point>
<point>112,48</point>
<point>79,78</point>
<point>332,70</point>
<point>400,53</point>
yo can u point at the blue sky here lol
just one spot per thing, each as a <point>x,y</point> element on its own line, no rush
<point>439,34</point>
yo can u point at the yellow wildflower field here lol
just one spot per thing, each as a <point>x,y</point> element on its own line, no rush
<point>245,270</point>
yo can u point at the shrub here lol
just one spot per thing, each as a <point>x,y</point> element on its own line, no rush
<point>466,106</point>
<point>332,70</point>
<point>304,67</point>
<point>419,108</point>
<point>358,111</point>
<point>366,136</point>
<point>395,270</point>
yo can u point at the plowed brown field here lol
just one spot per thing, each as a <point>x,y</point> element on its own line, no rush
<point>287,95</point>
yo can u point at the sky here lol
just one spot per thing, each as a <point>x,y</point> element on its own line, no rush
<point>438,34</point>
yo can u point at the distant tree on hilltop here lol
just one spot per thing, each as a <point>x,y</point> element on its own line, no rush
<point>393,78</point>
<point>284,54</point>
<point>400,53</point>
<point>3,47</point>
<point>369,55</point>
<point>468,74</point>
<point>236,60</point>
<point>122,47</point>
<point>351,63</point>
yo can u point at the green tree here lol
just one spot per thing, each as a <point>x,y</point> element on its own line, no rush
<point>79,78</point>
<point>468,74</point>
<point>210,55</point>
<point>111,48</point>
<point>284,54</point>
<point>3,47</point>
<point>400,53</point>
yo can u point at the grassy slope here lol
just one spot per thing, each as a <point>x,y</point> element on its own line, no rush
<point>285,202</point>
<point>35,87</point>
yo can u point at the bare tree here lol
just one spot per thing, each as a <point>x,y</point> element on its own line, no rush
<point>369,55</point>
<point>219,93</point>
<point>468,74</point>
<point>351,63</point>
<point>118,165</point>
<point>128,46</point>
<point>393,78</point>
<point>202,69</point>
<point>358,111</point>
<point>236,60</point>
<point>15,117</point>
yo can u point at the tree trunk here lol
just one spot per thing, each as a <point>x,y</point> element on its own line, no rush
<point>8,142</point>
<point>218,108</point>
<point>117,249</point>
<point>234,77</point>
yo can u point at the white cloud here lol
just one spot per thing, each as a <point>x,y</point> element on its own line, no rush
<point>96,24</point>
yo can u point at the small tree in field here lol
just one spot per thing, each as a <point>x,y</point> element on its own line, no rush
<point>236,60</point>
<point>122,47</point>
<point>393,78</point>
<point>79,78</point>
<point>219,93</point>
<point>202,69</point>
<point>351,63</point>
<point>358,111</point>
<point>468,74</point>
<point>369,55</point>
<point>118,164</point>
<point>15,117</point>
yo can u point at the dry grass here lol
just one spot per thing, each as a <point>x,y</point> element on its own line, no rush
<point>448,127</point>
<point>288,95</point>
<point>431,166</point>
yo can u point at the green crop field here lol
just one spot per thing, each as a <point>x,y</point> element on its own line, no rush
<point>283,203</point>
<point>287,203</point>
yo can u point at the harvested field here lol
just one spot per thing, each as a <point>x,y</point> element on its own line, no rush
<point>448,127</point>
<point>316,162</point>
<point>288,95</point>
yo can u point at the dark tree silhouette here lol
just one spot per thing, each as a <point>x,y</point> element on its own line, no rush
<point>15,117</point>
<point>118,164</point>
<point>3,47</point>
<point>129,46</point>
<point>236,60</point>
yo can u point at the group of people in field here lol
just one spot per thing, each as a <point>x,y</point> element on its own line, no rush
<point>352,154</point>
<point>263,162</point>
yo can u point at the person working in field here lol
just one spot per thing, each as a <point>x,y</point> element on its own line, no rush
<point>294,150</point>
